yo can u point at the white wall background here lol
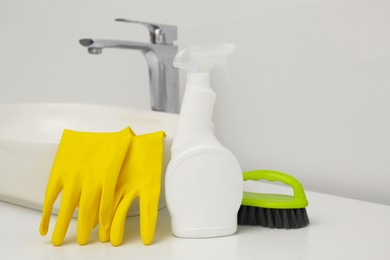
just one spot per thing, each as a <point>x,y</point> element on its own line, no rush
<point>310,80</point>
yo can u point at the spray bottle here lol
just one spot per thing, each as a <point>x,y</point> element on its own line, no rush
<point>204,183</point>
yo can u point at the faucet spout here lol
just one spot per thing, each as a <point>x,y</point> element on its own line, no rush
<point>164,86</point>
<point>91,50</point>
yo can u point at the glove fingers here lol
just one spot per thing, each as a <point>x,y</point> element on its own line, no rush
<point>69,201</point>
<point>118,222</point>
<point>96,218</point>
<point>119,194</point>
<point>88,210</point>
<point>53,189</point>
<point>106,210</point>
<point>148,210</point>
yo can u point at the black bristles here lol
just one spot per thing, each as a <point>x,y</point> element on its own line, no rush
<point>293,219</point>
<point>241,218</point>
<point>273,218</point>
<point>269,218</point>
<point>261,217</point>
<point>278,219</point>
<point>300,221</point>
<point>251,216</point>
<point>285,219</point>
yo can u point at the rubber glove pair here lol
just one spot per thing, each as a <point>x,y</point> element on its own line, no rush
<point>86,169</point>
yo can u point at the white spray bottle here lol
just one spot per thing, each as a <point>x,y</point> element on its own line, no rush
<point>203,182</point>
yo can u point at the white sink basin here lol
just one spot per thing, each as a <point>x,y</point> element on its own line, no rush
<point>30,133</point>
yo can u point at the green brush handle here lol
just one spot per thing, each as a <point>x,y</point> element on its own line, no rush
<point>269,175</point>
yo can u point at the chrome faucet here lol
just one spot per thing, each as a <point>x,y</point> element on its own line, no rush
<point>159,54</point>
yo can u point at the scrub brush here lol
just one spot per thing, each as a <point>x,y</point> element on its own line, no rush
<point>274,210</point>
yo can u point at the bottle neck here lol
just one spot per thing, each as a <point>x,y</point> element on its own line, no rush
<point>197,109</point>
<point>200,80</point>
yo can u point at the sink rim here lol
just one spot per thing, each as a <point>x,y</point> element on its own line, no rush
<point>86,107</point>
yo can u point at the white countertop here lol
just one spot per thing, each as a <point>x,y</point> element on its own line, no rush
<point>340,228</point>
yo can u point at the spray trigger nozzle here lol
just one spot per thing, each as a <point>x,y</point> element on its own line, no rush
<point>203,58</point>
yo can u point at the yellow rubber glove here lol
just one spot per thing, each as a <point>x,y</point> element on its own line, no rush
<point>85,169</point>
<point>140,176</point>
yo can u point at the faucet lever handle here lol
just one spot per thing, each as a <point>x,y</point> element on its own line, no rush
<point>159,33</point>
